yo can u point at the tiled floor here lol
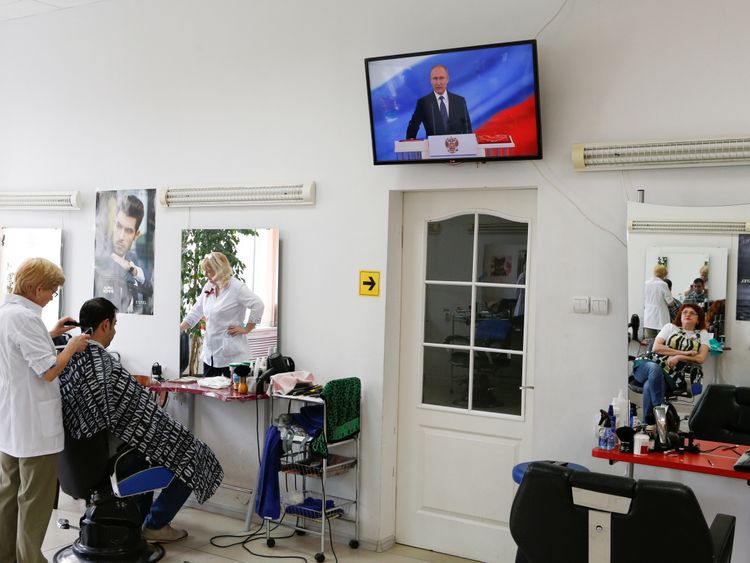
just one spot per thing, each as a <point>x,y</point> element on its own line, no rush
<point>197,548</point>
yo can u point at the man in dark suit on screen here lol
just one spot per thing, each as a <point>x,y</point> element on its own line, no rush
<point>441,112</point>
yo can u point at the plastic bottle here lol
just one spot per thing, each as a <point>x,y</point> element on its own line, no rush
<point>611,436</point>
<point>606,434</point>
<point>601,441</point>
<point>621,407</point>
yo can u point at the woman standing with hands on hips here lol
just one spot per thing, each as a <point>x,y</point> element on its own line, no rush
<point>231,311</point>
<point>31,430</point>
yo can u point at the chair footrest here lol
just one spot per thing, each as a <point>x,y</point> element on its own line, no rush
<point>144,481</point>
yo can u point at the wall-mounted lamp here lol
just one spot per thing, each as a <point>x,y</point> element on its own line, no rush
<point>666,154</point>
<point>292,194</point>
<point>40,200</point>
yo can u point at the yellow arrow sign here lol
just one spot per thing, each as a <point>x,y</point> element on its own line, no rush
<point>369,283</point>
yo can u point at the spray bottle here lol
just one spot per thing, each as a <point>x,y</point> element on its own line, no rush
<point>606,436</point>
<point>621,409</point>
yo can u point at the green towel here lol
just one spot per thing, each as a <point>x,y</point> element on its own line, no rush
<point>342,413</point>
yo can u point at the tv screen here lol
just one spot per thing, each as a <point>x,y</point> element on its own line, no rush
<point>474,103</point>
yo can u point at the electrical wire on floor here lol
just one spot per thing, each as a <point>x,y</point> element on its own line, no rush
<point>251,536</point>
<point>328,520</point>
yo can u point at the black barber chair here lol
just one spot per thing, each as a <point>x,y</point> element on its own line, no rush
<point>722,415</point>
<point>565,516</point>
<point>110,529</point>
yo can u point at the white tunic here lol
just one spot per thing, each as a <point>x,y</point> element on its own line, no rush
<point>656,298</point>
<point>30,407</point>
<point>228,309</point>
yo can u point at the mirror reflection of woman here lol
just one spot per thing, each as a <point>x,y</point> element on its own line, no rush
<point>231,311</point>
<point>681,342</point>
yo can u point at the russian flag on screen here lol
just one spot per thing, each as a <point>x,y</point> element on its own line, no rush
<point>497,83</point>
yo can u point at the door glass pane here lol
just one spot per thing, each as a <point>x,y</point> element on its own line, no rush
<point>502,246</point>
<point>499,302</point>
<point>450,247</point>
<point>497,378</point>
<point>447,314</point>
<point>445,378</point>
<point>499,320</point>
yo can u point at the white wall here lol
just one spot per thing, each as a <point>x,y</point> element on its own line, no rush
<point>146,93</point>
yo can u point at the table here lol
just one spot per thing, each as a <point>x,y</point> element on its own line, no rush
<point>719,462</point>
<point>227,394</point>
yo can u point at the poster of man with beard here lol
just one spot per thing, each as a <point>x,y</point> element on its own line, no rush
<point>124,249</point>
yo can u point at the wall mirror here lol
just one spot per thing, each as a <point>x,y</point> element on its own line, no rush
<point>18,244</point>
<point>684,254</point>
<point>254,256</point>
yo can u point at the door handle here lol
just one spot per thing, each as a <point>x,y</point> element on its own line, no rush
<point>522,387</point>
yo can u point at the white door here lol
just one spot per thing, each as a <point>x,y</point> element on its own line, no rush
<point>464,417</point>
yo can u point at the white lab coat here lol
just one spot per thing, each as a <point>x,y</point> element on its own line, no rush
<point>229,309</point>
<point>30,407</point>
<point>656,298</point>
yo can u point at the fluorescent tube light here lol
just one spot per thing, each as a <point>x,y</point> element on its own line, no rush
<point>688,227</point>
<point>40,200</point>
<point>292,194</point>
<point>656,154</point>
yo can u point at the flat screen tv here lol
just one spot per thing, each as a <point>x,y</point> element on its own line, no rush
<point>489,109</point>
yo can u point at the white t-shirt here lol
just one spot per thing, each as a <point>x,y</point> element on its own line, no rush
<point>656,300</point>
<point>669,330</point>
<point>30,407</point>
<point>228,309</point>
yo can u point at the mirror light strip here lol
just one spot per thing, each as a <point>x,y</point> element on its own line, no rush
<point>688,227</point>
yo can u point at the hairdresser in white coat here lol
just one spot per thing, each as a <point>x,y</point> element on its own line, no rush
<point>31,430</point>
<point>231,311</point>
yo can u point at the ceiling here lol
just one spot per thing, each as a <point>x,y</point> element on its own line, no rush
<point>13,9</point>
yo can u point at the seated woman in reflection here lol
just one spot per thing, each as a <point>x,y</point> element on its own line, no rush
<point>680,347</point>
<point>231,311</point>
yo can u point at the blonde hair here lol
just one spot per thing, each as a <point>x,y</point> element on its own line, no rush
<point>660,271</point>
<point>37,272</point>
<point>219,263</point>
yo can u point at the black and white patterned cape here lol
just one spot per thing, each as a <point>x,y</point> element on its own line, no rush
<point>98,394</point>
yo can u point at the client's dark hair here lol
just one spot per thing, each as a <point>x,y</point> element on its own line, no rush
<point>94,311</point>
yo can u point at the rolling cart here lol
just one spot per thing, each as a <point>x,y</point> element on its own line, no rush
<point>306,506</point>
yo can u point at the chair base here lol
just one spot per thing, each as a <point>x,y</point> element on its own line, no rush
<point>110,532</point>
<point>154,552</point>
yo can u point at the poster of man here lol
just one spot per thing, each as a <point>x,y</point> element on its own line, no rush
<point>124,249</point>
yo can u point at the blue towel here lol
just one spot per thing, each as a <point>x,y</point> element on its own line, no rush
<point>312,508</point>
<point>268,503</point>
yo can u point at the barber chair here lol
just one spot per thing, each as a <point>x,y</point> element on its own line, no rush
<point>564,516</point>
<point>722,415</point>
<point>110,529</point>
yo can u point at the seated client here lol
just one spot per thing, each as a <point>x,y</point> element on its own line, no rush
<point>99,394</point>
<point>678,348</point>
